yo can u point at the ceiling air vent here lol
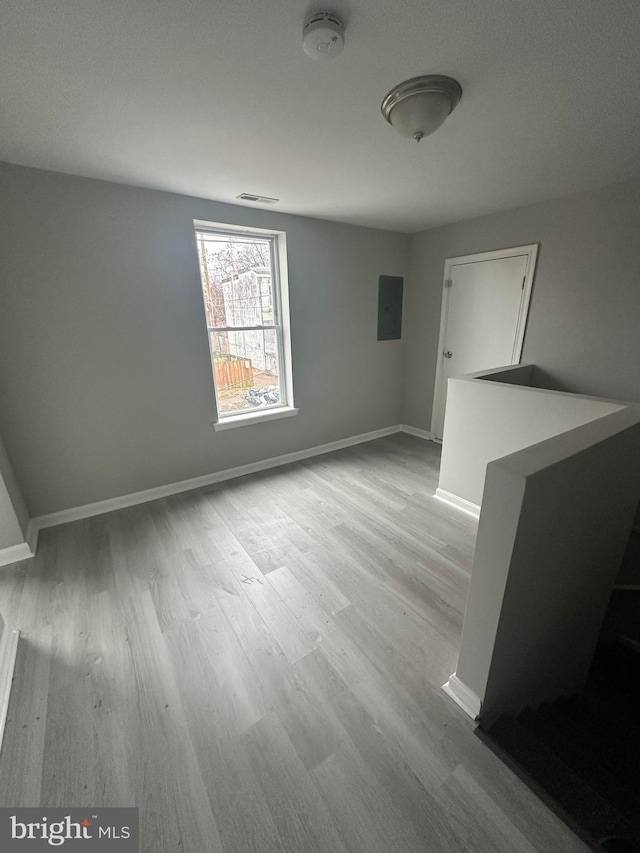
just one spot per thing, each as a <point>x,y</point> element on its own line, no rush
<point>260,199</point>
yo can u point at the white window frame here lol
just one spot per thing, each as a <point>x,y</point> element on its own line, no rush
<point>281,325</point>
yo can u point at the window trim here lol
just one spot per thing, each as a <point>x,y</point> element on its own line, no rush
<point>255,416</point>
<point>280,296</point>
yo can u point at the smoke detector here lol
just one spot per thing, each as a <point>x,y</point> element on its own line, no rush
<point>323,36</point>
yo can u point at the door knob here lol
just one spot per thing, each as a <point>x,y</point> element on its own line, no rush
<point>447,354</point>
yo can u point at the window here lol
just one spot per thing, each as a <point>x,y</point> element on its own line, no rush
<point>244,285</point>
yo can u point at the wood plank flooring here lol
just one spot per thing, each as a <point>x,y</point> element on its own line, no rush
<point>257,667</point>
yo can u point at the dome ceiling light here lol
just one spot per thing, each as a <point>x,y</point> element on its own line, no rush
<point>418,106</point>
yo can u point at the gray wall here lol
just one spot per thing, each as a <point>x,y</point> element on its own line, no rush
<point>17,506</point>
<point>536,603</point>
<point>105,376</point>
<point>488,420</point>
<point>585,310</point>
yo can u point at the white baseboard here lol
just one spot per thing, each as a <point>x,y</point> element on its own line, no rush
<point>8,652</point>
<point>15,553</point>
<point>99,507</point>
<point>23,550</point>
<point>31,536</point>
<point>419,433</point>
<point>459,503</point>
<point>463,696</point>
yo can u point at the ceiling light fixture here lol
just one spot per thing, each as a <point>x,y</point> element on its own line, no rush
<point>418,106</point>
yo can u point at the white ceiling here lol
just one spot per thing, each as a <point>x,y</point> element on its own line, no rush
<point>215,97</point>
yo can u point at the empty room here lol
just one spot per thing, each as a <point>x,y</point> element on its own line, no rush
<point>320,426</point>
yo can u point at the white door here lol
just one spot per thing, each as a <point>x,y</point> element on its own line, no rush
<point>484,312</point>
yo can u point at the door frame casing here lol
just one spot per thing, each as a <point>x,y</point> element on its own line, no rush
<point>531,251</point>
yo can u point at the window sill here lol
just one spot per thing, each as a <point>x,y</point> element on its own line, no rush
<point>255,418</point>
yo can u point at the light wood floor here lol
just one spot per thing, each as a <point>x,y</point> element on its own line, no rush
<point>257,666</point>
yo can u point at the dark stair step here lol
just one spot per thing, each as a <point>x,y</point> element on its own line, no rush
<point>620,845</point>
<point>626,705</point>
<point>598,727</point>
<point>628,573</point>
<point>615,671</point>
<point>540,723</point>
<point>618,709</point>
<point>598,719</point>
<point>587,811</point>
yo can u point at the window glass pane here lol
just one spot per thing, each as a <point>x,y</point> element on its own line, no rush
<point>246,370</point>
<point>237,280</point>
